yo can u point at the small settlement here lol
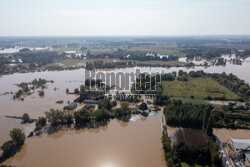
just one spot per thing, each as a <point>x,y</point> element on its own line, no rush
<point>236,153</point>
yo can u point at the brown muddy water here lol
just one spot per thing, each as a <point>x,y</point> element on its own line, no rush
<point>6,125</point>
<point>224,135</point>
<point>133,144</point>
<point>35,106</point>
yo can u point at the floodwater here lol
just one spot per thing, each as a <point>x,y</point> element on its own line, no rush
<point>224,135</point>
<point>133,144</point>
<point>6,125</point>
<point>35,106</point>
<point>119,144</point>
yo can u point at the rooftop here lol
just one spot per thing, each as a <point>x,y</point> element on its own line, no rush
<point>241,144</point>
<point>248,155</point>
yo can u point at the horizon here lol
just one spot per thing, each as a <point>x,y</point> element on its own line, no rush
<point>125,36</point>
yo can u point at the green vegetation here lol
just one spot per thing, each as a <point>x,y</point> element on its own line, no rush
<point>199,88</point>
<point>190,100</point>
<point>229,117</point>
<point>143,106</point>
<point>233,83</point>
<point>27,87</point>
<point>41,93</point>
<point>86,95</point>
<point>91,117</point>
<point>133,55</point>
<point>229,146</point>
<point>26,118</point>
<point>10,147</point>
<point>208,53</point>
<point>31,60</point>
<point>100,64</point>
<point>123,112</point>
<point>40,123</point>
<point>200,85</point>
<point>184,164</point>
<point>193,116</point>
<point>59,118</point>
<point>143,51</point>
<point>190,115</point>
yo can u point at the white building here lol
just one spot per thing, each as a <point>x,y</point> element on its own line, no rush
<point>242,146</point>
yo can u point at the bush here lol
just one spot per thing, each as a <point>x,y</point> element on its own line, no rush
<point>7,148</point>
<point>17,136</point>
<point>41,93</point>
<point>26,118</point>
<point>143,106</point>
<point>42,121</point>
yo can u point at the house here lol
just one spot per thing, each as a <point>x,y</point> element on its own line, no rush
<point>88,106</point>
<point>72,106</point>
<point>247,154</point>
<point>242,147</point>
<point>240,144</point>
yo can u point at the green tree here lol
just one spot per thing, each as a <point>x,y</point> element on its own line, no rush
<point>143,106</point>
<point>17,136</point>
<point>124,110</point>
<point>41,93</point>
<point>170,162</point>
<point>209,128</point>
<point>7,148</point>
<point>41,122</point>
<point>26,118</point>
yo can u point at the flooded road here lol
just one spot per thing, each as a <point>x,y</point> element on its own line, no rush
<point>133,144</point>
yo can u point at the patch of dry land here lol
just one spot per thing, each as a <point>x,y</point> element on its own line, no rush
<point>199,88</point>
<point>226,134</point>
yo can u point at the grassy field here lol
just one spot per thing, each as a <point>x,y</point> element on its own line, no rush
<point>200,88</point>
<point>195,101</point>
<point>184,164</point>
<point>190,100</point>
<point>70,62</point>
<point>160,62</point>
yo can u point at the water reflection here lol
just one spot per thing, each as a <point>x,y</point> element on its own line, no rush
<point>138,144</point>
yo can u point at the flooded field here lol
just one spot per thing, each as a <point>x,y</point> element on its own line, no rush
<point>35,106</point>
<point>133,144</point>
<point>224,135</point>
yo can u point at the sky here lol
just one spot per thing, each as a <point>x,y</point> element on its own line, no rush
<point>124,17</point>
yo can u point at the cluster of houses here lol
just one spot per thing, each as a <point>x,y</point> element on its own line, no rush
<point>76,54</point>
<point>237,153</point>
<point>88,104</point>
